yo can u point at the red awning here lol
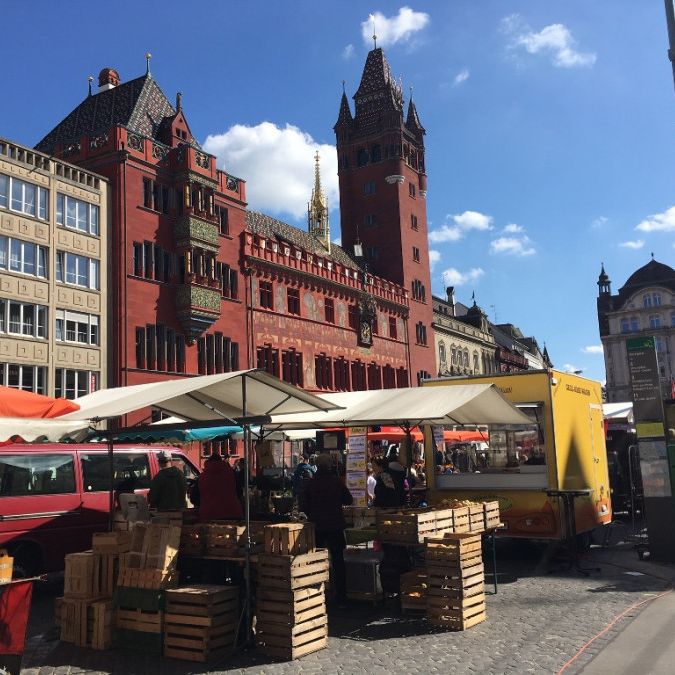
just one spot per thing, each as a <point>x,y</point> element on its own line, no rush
<point>396,435</point>
<point>18,403</point>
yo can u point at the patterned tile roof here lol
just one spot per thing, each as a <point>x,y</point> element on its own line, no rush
<point>265,225</point>
<point>139,105</point>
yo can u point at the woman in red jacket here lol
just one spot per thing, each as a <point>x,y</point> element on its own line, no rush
<point>215,492</point>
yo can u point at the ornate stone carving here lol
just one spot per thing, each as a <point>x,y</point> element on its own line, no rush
<point>233,183</point>
<point>72,149</point>
<point>135,142</point>
<point>98,141</point>
<point>202,160</point>
<point>159,151</point>
<point>395,179</point>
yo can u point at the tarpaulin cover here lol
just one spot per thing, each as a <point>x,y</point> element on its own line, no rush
<point>18,403</point>
<point>14,609</point>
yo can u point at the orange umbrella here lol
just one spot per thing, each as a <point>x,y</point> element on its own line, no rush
<point>19,403</point>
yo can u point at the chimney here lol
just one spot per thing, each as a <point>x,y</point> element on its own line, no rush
<point>450,292</point>
<point>108,78</point>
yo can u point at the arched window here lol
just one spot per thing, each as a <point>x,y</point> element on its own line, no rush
<point>655,321</point>
<point>453,353</point>
<point>375,153</point>
<point>362,157</point>
<point>466,358</point>
<point>476,364</point>
<point>441,352</point>
<point>647,300</point>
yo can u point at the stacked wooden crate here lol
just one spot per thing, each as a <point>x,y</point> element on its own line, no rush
<point>201,622</point>
<point>108,548</point>
<point>84,614</point>
<point>193,540</point>
<point>152,559</point>
<point>139,618</point>
<point>413,526</point>
<point>228,540</point>
<point>455,581</point>
<point>291,619</point>
<point>414,590</point>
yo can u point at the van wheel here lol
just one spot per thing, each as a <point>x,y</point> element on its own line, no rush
<point>27,560</point>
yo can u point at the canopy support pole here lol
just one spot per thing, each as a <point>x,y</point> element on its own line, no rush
<point>247,513</point>
<point>111,486</point>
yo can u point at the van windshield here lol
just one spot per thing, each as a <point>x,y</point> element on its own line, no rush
<point>38,474</point>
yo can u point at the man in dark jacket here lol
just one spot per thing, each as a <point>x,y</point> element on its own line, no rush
<point>322,500</point>
<point>168,487</point>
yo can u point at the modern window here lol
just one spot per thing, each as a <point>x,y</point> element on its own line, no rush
<point>291,367</point>
<point>23,257</point>
<point>323,371</point>
<point>28,378</point>
<point>76,214</point>
<point>413,222</point>
<point>329,310</point>
<point>128,467</point>
<point>416,254</point>
<point>293,295</point>
<point>77,270</point>
<point>21,318</point>
<point>77,327</point>
<point>266,296</point>
<point>369,187</point>
<point>655,321</point>
<point>22,197</point>
<point>75,383</point>
<point>33,474</point>
<point>393,331</point>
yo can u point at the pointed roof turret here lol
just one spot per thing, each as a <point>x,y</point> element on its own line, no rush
<point>317,209</point>
<point>345,114</point>
<point>412,120</point>
<point>376,78</point>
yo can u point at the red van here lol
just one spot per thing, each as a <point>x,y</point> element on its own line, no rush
<point>54,496</point>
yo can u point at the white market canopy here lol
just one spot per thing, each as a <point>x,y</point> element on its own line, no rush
<point>618,411</point>
<point>203,398</point>
<point>36,430</point>
<point>445,405</point>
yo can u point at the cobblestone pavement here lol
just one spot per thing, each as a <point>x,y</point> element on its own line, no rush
<point>536,622</point>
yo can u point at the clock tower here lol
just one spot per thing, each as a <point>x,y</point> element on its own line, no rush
<point>383,186</point>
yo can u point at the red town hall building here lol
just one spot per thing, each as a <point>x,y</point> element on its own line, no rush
<point>200,285</point>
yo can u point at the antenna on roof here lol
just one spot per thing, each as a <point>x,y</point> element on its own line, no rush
<point>148,56</point>
<point>90,79</point>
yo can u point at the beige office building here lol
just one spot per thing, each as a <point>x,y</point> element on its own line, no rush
<point>53,274</point>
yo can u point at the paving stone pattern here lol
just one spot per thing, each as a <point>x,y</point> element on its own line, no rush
<point>537,621</point>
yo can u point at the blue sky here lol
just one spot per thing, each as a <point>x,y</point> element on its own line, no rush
<point>550,144</point>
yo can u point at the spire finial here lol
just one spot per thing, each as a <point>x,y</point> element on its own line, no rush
<point>411,92</point>
<point>179,101</point>
<point>90,79</point>
<point>652,255</point>
<point>148,56</point>
<point>343,86</point>
<point>374,33</point>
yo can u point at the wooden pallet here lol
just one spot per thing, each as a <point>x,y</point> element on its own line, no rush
<point>139,621</point>
<point>453,547</point>
<point>193,540</point>
<point>81,577</point>
<point>286,572</point>
<point>111,542</point>
<point>289,538</point>
<point>292,641</point>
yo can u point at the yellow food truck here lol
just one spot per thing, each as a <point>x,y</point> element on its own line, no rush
<point>563,449</point>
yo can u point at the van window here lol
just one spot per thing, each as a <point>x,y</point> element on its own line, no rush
<point>131,471</point>
<point>38,474</point>
<point>179,462</point>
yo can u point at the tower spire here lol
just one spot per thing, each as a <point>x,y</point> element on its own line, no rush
<point>317,209</point>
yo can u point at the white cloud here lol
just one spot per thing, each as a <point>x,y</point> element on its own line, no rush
<point>638,243</point>
<point>277,164</point>
<point>453,277</point>
<point>555,40</point>
<point>390,30</point>
<point>462,76</point>
<point>463,222</point>
<point>659,222</point>
<point>512,228</point>
<point>593,349</point>
<point>348,52</point>
<point>520,246</point>
<point>434,257</point>
<point>570,368</point>
<point>599,222</point>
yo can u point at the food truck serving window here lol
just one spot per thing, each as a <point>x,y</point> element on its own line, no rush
<point>513,456</point>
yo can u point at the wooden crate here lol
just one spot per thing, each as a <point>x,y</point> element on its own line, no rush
<point>108,566</point>
<point>228,539</point>
<point>409,526</point>
<point>111,542</point>
<point>291,607</point>
<point>455,549</point>
<point>86,624</point>
<point>81,577</point>
<point>193,540</point>
<point>414,590</point>
<point>491,514</point>
<point>289,538</point>
<point>148,643</point>
<point>291,641</point>
<point>147,578</point>
<point>139,620</point>
<point>476,518</point>
<point>201,622</point>
<point>120,523</point>
<point>456,615</point>
<point>147,599</point>
<point>288,572</point>
<point>460,520</point>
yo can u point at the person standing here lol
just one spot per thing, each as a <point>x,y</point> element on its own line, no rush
<point>322,499</point>
<point>215,492</point>
<point>168,488</point>
<point>303,472</point>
